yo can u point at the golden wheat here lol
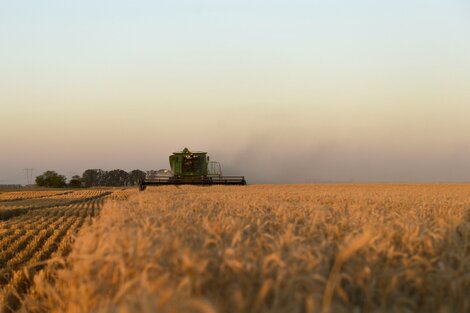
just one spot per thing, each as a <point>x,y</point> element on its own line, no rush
<point>45,230</point>
<point>22,195</point>
<point>294,248</point>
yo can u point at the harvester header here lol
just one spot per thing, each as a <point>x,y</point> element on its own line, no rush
<point>192,168</point>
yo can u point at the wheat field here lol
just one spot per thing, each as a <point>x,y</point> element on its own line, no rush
<point>259,248</point>
<point>37,226</point>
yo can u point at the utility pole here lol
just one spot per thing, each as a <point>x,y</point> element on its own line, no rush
<point>29,175</point>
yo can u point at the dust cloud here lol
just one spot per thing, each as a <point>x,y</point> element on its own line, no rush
<point>328,162</point>
<point>267,159</point>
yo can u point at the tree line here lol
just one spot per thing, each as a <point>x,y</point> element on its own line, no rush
<point>92,178</point>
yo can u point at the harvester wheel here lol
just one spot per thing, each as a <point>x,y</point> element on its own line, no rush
<point>141,185</point>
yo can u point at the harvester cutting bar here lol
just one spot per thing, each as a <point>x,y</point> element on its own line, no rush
<point>207,181</point>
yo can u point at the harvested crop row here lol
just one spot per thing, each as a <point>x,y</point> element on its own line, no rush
<point>32,216</point>
<point>43,234</point>
<point>22,195</point>
<point>123,194</point>
<point>9,210</point>
<point>82,194</point>
<point>17,251</point>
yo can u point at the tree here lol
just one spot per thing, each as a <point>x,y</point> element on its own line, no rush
<point>97,177</point>
<point>75,181</point>
<point>93,177</point>
<point>51,179</point>
<point>116,178</point>
<point>135,176</point>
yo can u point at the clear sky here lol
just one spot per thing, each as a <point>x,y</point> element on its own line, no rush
<point>280,91</point>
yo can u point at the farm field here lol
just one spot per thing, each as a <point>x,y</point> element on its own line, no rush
<point>259,248</point>
<point>36,226</point>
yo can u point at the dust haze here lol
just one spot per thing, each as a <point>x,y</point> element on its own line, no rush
<point>265,161</point>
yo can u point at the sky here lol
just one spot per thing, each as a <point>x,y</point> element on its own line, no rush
<point>278,91</point>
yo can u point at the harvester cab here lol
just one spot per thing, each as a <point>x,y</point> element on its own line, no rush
<point>192,168</point>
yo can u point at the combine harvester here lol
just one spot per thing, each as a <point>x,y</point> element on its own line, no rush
<point>192,168</point>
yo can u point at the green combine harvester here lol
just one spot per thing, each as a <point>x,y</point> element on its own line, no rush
<point>192,168</point>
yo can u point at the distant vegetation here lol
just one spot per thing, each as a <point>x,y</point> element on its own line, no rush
<point>97,177</point>
<point>51,179</point>
<point>75,181</point>
<point>91,178</point>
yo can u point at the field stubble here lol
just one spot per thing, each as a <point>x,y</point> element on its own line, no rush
<point>294,248</point>
<point>36,226</point>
